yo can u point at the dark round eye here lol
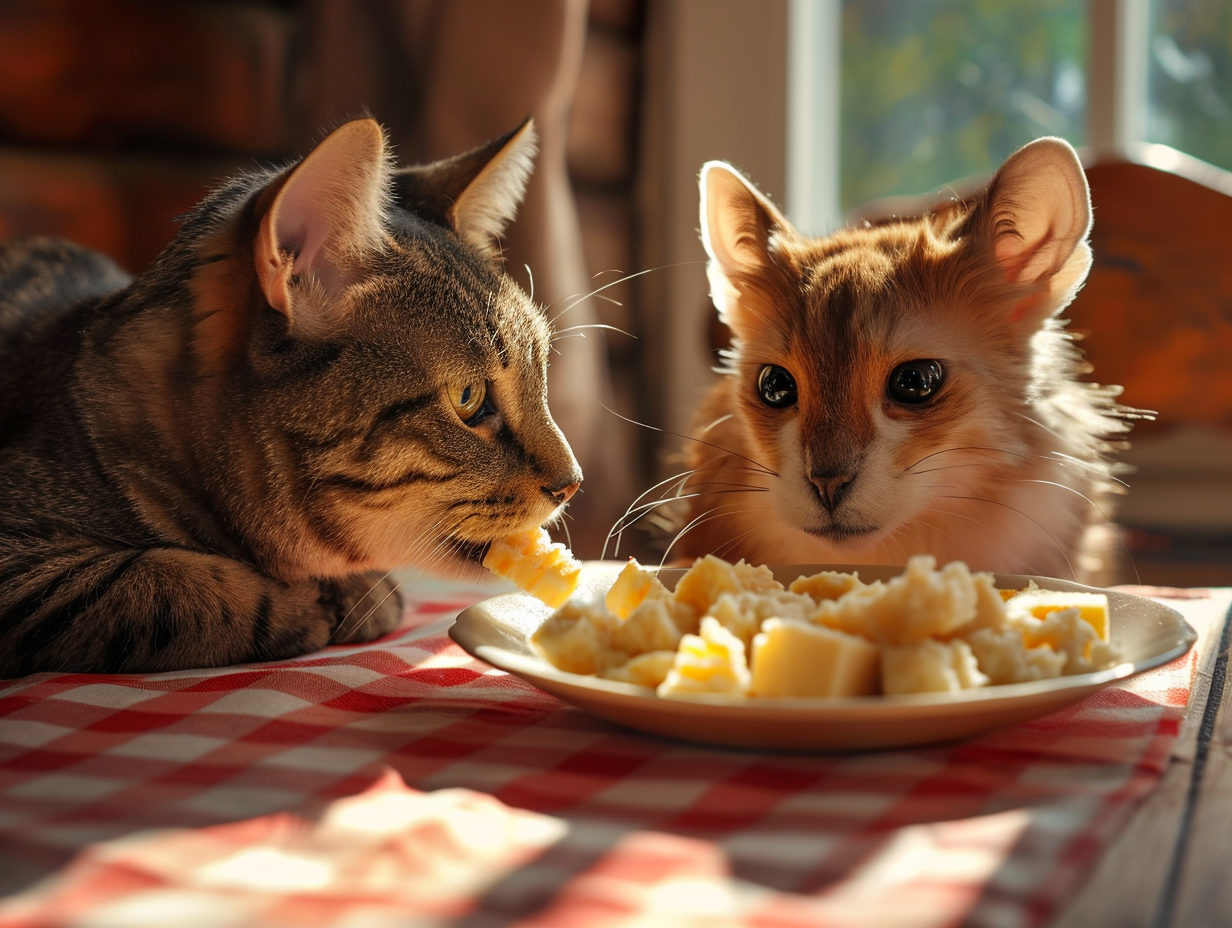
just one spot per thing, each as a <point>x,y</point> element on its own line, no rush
<point>776,387</point>
<point>915,381</point>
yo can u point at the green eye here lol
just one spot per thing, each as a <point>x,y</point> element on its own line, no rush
<point>468,400</point>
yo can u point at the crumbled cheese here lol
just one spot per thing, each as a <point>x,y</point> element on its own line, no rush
<point>733,628</point>
<point>921,603</point>
<point>712,661</point>
<point>930,666</point>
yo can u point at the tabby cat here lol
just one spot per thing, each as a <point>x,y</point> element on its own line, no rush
<point>906,386</point>
<point>326,374</point>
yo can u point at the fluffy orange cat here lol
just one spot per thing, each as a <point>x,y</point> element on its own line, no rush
<point>906,386</point>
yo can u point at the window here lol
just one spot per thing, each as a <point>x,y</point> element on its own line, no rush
<point>914,95</point>
<point>1190,78</point>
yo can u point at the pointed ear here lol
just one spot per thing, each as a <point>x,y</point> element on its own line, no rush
<point>330,206</point>
<point>1036,218</point>
<point>477,193</point>
<point>737,223</point>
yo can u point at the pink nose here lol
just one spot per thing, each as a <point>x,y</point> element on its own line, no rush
<point>831,488</point>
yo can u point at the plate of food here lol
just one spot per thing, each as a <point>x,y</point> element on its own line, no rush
<point>819,657</point>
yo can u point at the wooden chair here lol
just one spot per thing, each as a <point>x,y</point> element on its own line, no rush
<point>1158,305</point>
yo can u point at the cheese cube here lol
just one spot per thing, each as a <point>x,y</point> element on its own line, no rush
<point>1092,607</point>
<point>631,587</point>
<point>545,570</point>
<point>799,659</point>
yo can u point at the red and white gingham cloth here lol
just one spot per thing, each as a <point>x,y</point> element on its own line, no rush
<point>403,783</point>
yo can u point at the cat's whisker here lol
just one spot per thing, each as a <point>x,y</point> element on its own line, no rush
<point>934,470</point>
<point>992,502</point>
<point>723,549</point>
<point>623,521</point>
<point>1068,460</point>
<point>1108,520</point>
<point>715,512</point>
<point>680,482</point>
<point>574,301</point>
<point>654,428</point>
<point>913,466</point>
<point>411,554</point>
<point>579,330</point>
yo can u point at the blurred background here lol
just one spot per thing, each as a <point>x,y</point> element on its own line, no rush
<point>116,116</point>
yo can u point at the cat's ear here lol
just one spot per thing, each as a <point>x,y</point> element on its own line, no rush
<point>476,193</point>
<point>738,223</point>
<point>331,205</point>
<point>1036,219</point>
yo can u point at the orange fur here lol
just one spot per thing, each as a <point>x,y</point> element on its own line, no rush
<point>1006,465</point>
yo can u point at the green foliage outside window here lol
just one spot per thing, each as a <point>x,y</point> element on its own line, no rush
<point>934,91</point>
<point>1190,78</point>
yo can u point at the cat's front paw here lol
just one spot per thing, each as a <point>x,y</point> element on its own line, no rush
<point>365,607</point>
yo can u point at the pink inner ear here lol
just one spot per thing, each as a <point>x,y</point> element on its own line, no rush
<point>302,220</point>
<point>1025,259</point>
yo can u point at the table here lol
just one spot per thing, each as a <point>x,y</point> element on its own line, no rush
<point>404,783</point>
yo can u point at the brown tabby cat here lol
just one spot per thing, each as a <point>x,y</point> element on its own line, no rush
<point>325,375</point>
<point>905,387</point>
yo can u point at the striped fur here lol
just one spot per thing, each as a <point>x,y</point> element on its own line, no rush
<point>221,460</point>
<point>1006,467</point>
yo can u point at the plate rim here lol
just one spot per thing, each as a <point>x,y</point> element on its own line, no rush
<point>1060,691</point>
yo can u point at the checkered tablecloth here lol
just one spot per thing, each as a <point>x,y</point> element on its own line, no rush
<point>403,783</point>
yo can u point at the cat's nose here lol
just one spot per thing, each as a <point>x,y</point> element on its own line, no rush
<point>562,495</point>
<point>831,488</point>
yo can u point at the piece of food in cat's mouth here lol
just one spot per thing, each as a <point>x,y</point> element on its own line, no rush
<point>545,569</point>
<point>735,629</point>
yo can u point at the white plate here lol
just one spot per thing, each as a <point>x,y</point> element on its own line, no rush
<point>497,631</point>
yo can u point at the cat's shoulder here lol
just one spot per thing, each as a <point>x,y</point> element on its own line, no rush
<point>40,273</point>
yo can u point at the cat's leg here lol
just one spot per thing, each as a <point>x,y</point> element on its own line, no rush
<point>93,608</point>
<point>368,606</point>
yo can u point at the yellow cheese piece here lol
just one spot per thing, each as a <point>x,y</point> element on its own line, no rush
<point>632,586</point>
<point>710,662</point>
<point>546,570</point>
<point>800,659</point>
<point>1092,607</point>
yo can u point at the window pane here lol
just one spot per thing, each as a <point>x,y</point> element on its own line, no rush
<point>1190,79</point>
<point>937,91</point>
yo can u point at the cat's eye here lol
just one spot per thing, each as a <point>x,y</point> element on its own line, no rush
<point>776,387</point>
<point>469,400</point>
<point>915,381</point>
